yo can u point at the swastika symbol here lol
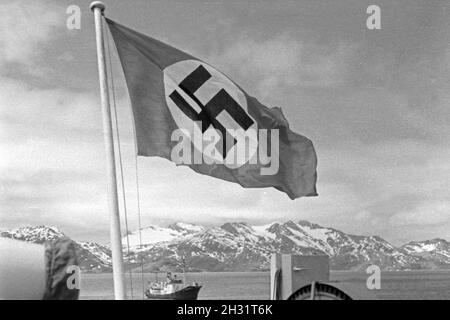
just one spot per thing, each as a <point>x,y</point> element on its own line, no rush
<point>221,101</point>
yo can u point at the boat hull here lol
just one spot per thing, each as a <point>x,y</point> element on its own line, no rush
<point>187,293</point>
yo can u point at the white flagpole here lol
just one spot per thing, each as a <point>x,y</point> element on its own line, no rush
<point>116,242</point>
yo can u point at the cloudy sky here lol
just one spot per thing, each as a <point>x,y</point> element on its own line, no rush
<point>374,102</point>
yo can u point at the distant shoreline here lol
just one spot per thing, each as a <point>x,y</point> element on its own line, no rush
<point>267,271</point>
<point>397,285</point>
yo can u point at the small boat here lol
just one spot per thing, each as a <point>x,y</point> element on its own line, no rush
<point>172,289</point>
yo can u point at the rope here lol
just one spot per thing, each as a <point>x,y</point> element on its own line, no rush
<point>116,123</point>
<point>138,197</point>
<point>139,212</point>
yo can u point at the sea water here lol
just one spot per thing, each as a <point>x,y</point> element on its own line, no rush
<point>256,285</point>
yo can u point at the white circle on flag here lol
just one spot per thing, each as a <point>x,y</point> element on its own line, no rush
<point>246,140</point>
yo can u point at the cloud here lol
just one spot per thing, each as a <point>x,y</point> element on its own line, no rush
<point>374,182</point>
<point>381,133</point>
<point>50,143</point>
<point>25,27</point>
<point>428,213</point>
<point>284,61</point>
<point>66,56</point>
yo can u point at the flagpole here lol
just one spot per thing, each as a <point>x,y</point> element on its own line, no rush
<point>116,242</point>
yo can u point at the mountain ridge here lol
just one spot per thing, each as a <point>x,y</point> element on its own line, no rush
<point>239,246</point>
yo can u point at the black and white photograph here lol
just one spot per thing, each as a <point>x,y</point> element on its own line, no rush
<point>220,150</point>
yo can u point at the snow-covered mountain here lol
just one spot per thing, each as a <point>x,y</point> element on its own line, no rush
<point>155,234</point>
<point>240,247</point>
<point>92,256</point>
<point>37,234</point>
<point>436,250</point>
